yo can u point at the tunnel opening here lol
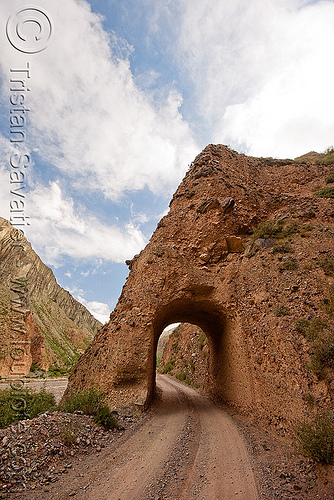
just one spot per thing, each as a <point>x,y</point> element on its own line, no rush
<point>204,321</point>
<point>183,351</point>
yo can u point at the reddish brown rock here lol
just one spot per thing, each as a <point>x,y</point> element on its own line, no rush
<point>234,244</point>
<point>37,346</point>
<point>187,274</point>
<point>40,322</point>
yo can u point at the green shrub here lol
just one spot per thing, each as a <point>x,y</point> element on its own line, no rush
<point>40,402</point>
<point>327,264</point>
<point>68,434</point>
<point>176,332</point>
<point>251,253</point>
<point>329,156</point>
<point>168,366</point>
<point>175,347</point>
<point>310,328</point>
<point>91,402</point>
<point>202,341</point>
<point>316,438</point>
<point>291,228</point>
<point>268,229</point>
<point>289,264</point>
<point>277,229</point>
<point>158,359</point>
<point>87,401</point>
<point>282,311</point>
<point>309,399</point>
<point>305,230</point>
<point>7,415</point>
<point>57,371</point>
<point>323,352</point>
<point>183,377</point>
<point>105,417</point>
<point>283,248</point>
<point>322,338</point>
<point>326,192</point>
<point>330,178</point>
<point>329,302</point>
<point>24,404</point>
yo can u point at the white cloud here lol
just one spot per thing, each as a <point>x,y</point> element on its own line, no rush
<point>260,71</point>
<point>75,291</point>
<point>4,192</point>
<point>88,117</point>
<point>8,152</point>
<point>99,310</point>
<point>292,111</point>
<point>172,326</point>
<point>60,229</point>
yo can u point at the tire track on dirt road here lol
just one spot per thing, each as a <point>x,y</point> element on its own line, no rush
<point>186,449</point>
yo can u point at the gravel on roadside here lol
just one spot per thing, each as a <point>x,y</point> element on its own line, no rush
<point>37,452</point>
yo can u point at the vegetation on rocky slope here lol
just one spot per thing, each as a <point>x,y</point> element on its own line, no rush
<point>316,437</point>
<point>54,328</point>
<point>186,356</point>
<point>26,404</point>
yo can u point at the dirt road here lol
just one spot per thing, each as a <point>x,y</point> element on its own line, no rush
<point>187,449</point>
<point>55,385</point>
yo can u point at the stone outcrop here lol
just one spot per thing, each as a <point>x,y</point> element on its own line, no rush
<point>37,347</point>
<point>40,322</point>
<point>202,267</point>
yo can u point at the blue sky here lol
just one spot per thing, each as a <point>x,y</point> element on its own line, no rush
<point>123,96</point>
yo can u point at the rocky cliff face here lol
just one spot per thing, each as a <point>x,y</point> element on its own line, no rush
<point>186,356</point>
<point>41,323</point>
<point>263,294</point>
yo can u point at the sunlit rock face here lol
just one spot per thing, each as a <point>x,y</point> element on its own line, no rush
<point>41,323</point>
<point>205,266</point>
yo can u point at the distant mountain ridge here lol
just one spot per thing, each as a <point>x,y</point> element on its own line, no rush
<point>40,322</point>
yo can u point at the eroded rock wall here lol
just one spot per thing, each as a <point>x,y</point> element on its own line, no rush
<point>38,318</point>
<point>202,266</point>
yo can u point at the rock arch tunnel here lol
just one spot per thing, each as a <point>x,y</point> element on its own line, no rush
<point>194,270</point>
<point>181,275</point>
<point>200,313</point>
<point>121,359</point>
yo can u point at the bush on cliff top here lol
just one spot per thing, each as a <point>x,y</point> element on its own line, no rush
<point>328,158</point>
